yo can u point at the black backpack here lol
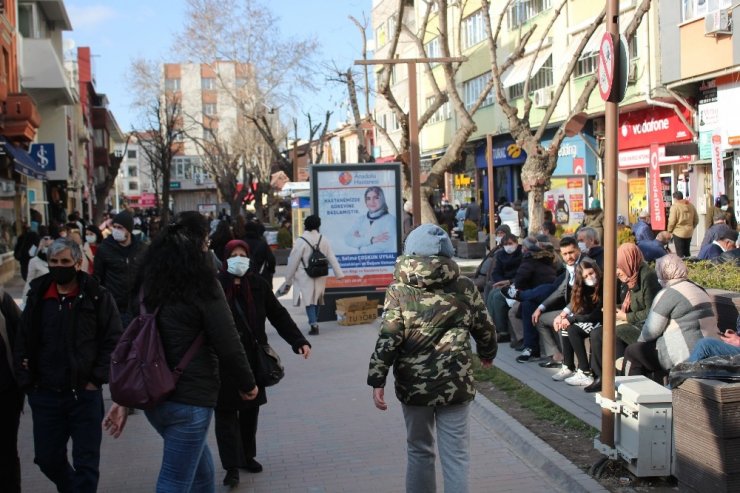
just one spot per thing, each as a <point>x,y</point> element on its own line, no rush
<point>318,264</point>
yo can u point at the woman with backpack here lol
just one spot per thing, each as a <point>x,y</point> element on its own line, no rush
<point>310,290</point>
<point>176,277</point>
<point>252,302</point>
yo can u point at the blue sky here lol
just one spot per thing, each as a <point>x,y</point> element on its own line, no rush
<point>118,31</point>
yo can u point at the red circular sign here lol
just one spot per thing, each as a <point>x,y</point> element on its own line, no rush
<point>607,64</point>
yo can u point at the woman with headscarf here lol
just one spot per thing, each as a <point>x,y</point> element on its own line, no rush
<point>374,231</point>
<point>681,315</point>
<point>637,287</point>
<point>252,302</point>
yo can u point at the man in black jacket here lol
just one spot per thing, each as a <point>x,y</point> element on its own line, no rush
<point>11,397</point>
<point>68,330</point>
<point>116,262</point>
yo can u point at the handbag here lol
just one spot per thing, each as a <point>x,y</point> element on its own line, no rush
<point>269,368</point>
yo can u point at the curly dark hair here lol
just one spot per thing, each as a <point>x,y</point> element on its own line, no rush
<point>584,298</point>
<point>175,267</point>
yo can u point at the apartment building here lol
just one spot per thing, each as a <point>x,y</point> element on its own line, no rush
<point>579,155</point>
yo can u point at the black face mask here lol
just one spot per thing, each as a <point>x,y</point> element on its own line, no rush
<point>62,275</point>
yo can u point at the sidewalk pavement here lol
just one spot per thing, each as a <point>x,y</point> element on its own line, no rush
<point>320,433</point>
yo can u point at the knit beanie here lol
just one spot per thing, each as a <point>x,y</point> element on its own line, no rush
<point>427,240</point>
<point>125,219</point>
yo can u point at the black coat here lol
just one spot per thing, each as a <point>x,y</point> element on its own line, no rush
<point>537,267</point>
<point>179,324</point>
<point>115,266</point>
<point>507,264</point>
<point>261,259</point>
<point>12,316</point>
<point>266,307</point>
<point>93,332</point>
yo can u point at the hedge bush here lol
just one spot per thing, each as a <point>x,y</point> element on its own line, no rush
<point>284,238</point>
<point>470,230</point>
<point>717,276</point>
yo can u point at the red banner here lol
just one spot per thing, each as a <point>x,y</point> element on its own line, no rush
<point>657,207</point>
<point>655,125</point>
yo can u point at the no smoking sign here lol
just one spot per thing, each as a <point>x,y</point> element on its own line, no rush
<point>607,65</point>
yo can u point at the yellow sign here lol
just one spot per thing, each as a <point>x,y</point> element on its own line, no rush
<point>462,181</point>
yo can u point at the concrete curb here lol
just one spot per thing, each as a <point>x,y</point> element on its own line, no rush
<point>561,473</point>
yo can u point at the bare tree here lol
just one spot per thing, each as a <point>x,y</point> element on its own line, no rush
<point>161,126</point>
<point>541,161</point>
<point>103,189</point>
<point>276,67</point>
<point>313,129</point>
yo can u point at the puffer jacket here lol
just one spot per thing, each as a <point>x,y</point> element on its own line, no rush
<point>179,324</point>
<point>115,267</point>
<point>429,315</point>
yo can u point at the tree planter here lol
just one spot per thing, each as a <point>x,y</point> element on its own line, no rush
<point>281,255</point>
<point>471,249</point>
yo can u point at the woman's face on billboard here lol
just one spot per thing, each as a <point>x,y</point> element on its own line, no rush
<point>373,201</point>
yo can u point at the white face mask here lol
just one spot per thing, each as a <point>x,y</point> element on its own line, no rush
<point>509,248</point>
<point>498,240</point>
<point>118,235</point>
<point>725,207</point>
<point>582,246</point>
<point>91,238</point>
<point>237,266</point>
<point>589,282</point>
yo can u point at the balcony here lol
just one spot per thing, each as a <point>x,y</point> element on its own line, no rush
<point>43,74</point>
<point>22,118</point>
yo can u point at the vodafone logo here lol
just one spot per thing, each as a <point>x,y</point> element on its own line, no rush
<point>647,127</point>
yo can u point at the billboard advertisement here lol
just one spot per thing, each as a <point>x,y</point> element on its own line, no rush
<point>566,199</point>
<point>360,210</point>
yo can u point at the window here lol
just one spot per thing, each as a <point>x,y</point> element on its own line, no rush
<point>391,25</point>
<point>133,171</point>
<point>100,138</point>
<point>209,134</point>
<point>133,185</point>
<point>209,109</point>
<point>394,123</point>
<point>632,48</point>
<point>183,167</point>
<point>380,36</point>
<point>172,84</point>
<point>118,152</point>
<point>131,154</point>
<point>474,87</point>
<point>208,83</point>
<point>443,113</point>
<point>540,80</point>
<point>433,49</point>
<point>523,10</point>
<point>692,9</point>
<point>473,30</point>
<point>587,64</point>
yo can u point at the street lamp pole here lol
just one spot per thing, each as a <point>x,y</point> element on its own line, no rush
<point>414,154</point>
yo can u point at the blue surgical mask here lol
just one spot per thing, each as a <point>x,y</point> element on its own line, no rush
<point>237,266</point>
<point>582,246</point>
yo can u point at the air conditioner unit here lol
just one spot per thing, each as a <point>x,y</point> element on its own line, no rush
<point>542,98</point>
<point>717,23</point>
<point>632,74</point>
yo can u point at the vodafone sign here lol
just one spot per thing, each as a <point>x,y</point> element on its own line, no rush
<point>652,126</point>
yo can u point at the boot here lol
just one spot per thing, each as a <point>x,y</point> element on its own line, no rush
<point>314,331</point>
<point>232,478</point>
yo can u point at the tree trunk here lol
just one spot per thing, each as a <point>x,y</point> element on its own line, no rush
<point>164,211</point>
<point>536,196</point>
<point>536,174</point>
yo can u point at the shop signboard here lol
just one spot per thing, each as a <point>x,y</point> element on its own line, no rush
<point>657,207</point>
<point>148,200</point>
<point>566,199</point>
<point>728,128</point>
<point>360,210</point>
<point>708,113</point>
<point>640,158</point>
<point>575,156</point>
<point>718,167</point>
<point>640,129</point>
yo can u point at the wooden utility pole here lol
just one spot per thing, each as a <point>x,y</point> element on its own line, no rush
<point>414,155</point>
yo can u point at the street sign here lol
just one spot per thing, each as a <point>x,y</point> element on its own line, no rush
<point>175,185</point>
<point>607,64</point>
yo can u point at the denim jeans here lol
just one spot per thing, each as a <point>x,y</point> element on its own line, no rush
<point>708,347</point>
<point>453,434</point>
<point>57,417</point>
<point>312,312</point>
<point>187,465</point>
<point>531,299</point>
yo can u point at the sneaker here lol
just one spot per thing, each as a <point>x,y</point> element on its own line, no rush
<point>580,379</point>
<point>527,354</point>
<point>564,373</point>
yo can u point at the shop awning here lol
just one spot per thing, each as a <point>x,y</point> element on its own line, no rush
<point>517,73</point>
<point>22,161</point>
